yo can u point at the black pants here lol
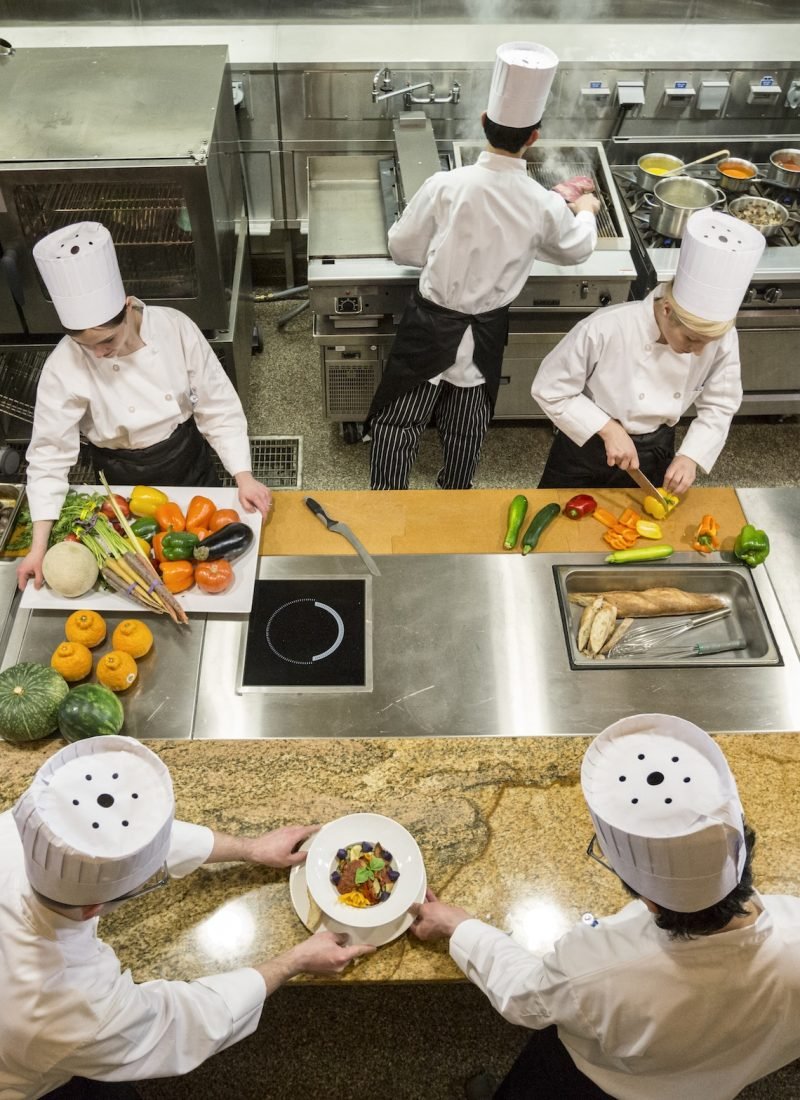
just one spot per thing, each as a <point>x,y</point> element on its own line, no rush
<point>80,1088</point>
<point>462,415</point>
<point>545,1071</point>
<point>569,466</point>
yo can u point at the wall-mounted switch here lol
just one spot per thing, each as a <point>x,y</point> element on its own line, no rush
<point>712,94</point>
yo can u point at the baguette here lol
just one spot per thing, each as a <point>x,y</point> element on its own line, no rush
<point>652,602</point>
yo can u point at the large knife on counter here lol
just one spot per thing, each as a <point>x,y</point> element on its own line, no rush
<point>646,484</point>
<point>344,530</point>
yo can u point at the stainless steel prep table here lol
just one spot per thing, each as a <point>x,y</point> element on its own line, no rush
<point>473,645</point>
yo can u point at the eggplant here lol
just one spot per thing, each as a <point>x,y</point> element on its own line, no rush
<point>231,541</point>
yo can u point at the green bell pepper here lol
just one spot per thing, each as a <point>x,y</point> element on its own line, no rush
<point>751,546</point>
<point>145,527</point>
<point>178,545</point>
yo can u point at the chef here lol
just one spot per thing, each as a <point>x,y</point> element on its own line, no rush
<point>141,383</point>
<point>691,990</point>
<point>475,233</point>
<point>95,829</point>
<point>619,381</point>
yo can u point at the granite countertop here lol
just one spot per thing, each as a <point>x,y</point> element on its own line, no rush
<point>501,823</point>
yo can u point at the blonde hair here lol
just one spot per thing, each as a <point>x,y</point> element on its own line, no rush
<point>712,330</point>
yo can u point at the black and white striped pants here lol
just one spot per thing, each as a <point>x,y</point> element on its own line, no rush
<point>462,415</point>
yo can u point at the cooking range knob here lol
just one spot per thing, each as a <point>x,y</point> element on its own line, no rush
<point>751,294</point>
<point>773,294</point>
<point>605,299</point>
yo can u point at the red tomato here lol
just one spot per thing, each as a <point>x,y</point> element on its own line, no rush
<point>213,576</point>
<point>122,504</point>
<point>222,517</point>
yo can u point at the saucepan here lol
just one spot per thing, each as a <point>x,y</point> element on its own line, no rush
<point>766,216</point>
<point>736,174</point>
<point>676,199</point>
<point>653,166</point>
<point>786,163</point>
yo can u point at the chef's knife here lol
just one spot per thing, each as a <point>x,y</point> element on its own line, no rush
<point>342,529</point>
<point>646,484</point>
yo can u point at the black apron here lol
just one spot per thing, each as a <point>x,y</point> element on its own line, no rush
<point>426,344</point>
<point>569,466</point>
<point>183,458</point>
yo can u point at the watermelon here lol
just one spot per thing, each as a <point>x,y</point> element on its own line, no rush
<point>30,695</point>
<point>90,710</point>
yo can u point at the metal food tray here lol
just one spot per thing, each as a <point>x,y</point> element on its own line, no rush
<point>734,583</point>
<point>16,493</point>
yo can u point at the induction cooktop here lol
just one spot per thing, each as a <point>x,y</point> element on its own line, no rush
<point>312,634</point>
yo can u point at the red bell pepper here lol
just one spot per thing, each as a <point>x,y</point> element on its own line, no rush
<point>580,505</point>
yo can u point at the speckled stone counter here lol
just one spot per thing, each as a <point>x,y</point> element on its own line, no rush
<point>501,823</point>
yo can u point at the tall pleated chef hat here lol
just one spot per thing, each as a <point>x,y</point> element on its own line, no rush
<point>521,81</point>
<point>96,821</point>
<point>718,256</point>
<point>666,810</point>
<point>79,267</point>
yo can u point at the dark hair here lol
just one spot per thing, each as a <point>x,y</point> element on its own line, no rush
<point>106,324</point>
<point>509,138</point>
<point>705,922</point>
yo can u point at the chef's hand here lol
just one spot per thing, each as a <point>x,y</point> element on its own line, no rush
<point>680,474</point>
<point>30,566</point>
<point>433,919</point>
<point>586,202</point>
<point>277,848</point>
<point>253,496</point>
<point>327,953</point>
<point>620,448</point>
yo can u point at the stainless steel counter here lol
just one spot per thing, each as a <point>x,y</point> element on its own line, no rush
<point>777,511</point>
<point>473,645</point>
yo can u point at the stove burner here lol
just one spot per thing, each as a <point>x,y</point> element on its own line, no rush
<point>337,618</point>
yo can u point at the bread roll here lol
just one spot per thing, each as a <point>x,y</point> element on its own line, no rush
<point>653,601</point>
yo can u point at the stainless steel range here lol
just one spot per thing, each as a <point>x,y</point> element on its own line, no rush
<point>358,293</point>
<point>768,322</point>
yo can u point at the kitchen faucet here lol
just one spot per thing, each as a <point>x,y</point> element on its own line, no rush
<point>408,99</point>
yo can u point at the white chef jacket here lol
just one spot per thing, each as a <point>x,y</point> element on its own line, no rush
<point>131,401</point>
<point>68,1010</point>
<point>475,233</point>
<point>611,365</point>
<point>644,1015</point>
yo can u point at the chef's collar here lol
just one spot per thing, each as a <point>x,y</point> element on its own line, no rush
<point>497,162</point>
<point>666,811</point>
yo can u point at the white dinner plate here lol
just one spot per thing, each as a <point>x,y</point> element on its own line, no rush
<point>238,598</point>
<point>314,919</point>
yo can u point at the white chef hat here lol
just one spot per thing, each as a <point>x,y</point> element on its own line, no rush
<point>521,81</point>
<point>96,821</point>
<point>79,267</point>
<point>666,810</point>
<point>718,256</point>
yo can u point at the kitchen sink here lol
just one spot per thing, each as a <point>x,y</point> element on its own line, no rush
<point>747,621</point>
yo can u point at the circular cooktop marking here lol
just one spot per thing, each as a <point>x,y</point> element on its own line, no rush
<point>337,618</point>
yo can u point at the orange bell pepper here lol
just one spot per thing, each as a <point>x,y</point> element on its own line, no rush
<point>222,517</point>
<point>201,532</point>
<point>604,517</point>
<point>169,516</point>
<point>155,546</point>
<point>629,518</point>
<point>199,513</point>
<point>177,575</point>
<point>705,539</point>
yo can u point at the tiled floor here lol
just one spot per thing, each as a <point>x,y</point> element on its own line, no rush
<point>429,1038</point>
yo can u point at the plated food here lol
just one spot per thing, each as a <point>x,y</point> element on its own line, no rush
<point>363,874</point>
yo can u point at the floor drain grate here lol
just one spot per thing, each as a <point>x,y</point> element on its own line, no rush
<point>277,462</point>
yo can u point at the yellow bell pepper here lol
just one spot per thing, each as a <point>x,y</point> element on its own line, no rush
<point>648,529</point>
<point>145,499</point>
<point>660,509</point>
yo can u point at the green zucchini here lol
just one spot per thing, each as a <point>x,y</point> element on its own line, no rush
<point>516,514</point>
<point>537,525</point>
<point>640,553</point>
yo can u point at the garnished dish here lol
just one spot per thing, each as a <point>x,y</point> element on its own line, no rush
<point>363,875</point>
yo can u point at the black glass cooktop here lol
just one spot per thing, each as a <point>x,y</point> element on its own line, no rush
<point>307,634</point>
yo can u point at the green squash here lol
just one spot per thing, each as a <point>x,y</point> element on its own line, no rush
<point>30,695</point>
<point>90,710</point>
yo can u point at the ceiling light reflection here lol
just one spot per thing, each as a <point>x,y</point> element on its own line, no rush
<point>228,931</point>
<point>536,923</point>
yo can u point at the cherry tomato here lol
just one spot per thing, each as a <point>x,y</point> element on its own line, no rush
<point>213,576</point>
<point>222,517</point>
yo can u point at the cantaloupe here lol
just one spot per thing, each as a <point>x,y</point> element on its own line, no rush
<point>70,569</point>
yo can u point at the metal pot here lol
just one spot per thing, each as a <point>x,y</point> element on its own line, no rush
<point>736,174</point>
<point>787,177</point>
<point>652,166</point>
<point>676,199</point>
<point>766,216</point>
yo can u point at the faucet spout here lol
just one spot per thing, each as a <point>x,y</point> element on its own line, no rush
<point>381,81</point>
<point>407,90</point>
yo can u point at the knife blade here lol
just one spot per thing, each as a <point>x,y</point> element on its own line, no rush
<point>343,530</point>
<point>646,484</point>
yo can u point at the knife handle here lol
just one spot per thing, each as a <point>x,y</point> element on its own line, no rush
<point>318,511</point>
